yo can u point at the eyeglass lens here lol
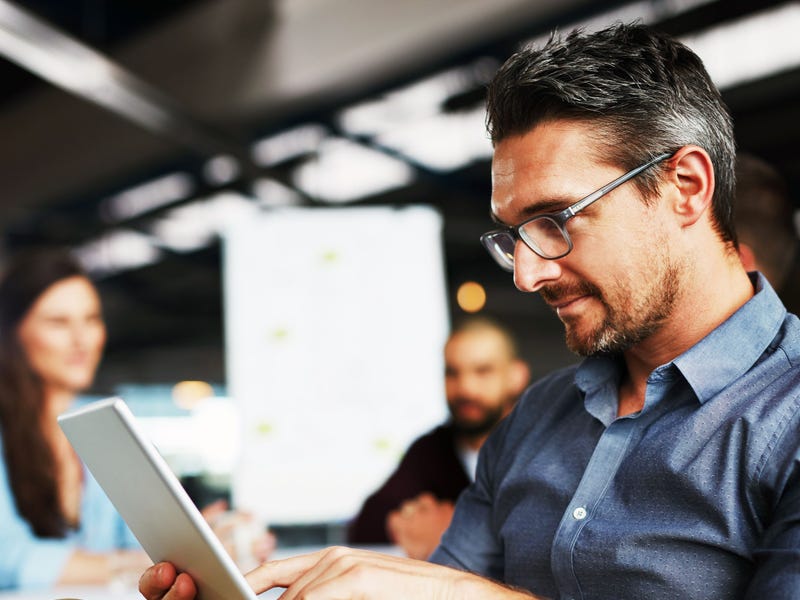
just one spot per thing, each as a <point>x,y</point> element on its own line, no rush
<point>545,235</point>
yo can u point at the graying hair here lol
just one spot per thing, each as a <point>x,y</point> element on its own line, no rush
<point>643,92</point>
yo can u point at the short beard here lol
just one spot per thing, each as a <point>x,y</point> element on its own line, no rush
<point>623,326</point>
<point>477,428</point>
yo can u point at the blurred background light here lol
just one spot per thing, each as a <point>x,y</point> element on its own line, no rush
<point>221,169</point>
<point>420,100</point>
<point>344,171</point>
<point>117,250</point>
<point>189,394</point>
<point>148,196</point>
<point>270,193</point>
<point>288,144</point>
<point>442,142</point>
<point>197,224</point>
<point>750,48</point>
<point>471,296</point>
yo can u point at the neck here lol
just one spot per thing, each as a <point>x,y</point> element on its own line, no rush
<point>711,295</point>
<point>471,442</point>
<point>56,401</point>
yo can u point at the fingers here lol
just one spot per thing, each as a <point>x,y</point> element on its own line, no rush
<point>214,510</point>
<point>426,499</point>
<point>161,582</point>
<point>339,573</point>
<point>282,573</point>
<point>183,588</point>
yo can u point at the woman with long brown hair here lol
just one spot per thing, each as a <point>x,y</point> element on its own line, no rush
<point>56,525</point>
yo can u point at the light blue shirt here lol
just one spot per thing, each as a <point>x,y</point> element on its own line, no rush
<point>697,496</point>
<point>27,561</point>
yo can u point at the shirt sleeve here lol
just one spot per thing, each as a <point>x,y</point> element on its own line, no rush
<point>777,557</point>
<point>470,543</point>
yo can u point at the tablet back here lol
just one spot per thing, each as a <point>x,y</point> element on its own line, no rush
<point>150,498</point>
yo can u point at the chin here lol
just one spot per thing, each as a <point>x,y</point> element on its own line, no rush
<point>582,343</point>
<point>76,385</point>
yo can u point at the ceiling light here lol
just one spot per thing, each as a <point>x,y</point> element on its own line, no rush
<point>117,251</point>
<point>415,102</point>
<point>147,196</point>
<point>345,171</point>
<point>271,193</point>
<point>647,11</point>
<point>750,48</point>
<point>197,224</point>
<point>442,142</point>
<point>289,144</point>
<point>221,169</point>
<point>743,50</point>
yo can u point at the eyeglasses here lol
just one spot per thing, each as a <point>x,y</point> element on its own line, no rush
<point>547,234</point>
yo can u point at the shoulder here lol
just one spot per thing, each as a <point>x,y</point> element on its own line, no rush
<point>546,402</point>
<point>788,340</point>
<point>554,392</point>
<point>440,436</point>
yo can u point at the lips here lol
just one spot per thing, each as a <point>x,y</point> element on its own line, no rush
<point>568,299</point>
<point>561,303</point>
<point>571,306</point>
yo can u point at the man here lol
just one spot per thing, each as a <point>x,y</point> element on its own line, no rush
<point>665,465</point>
<point>483,378</point>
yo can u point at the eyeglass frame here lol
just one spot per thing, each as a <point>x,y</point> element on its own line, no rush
<point>559,219</point>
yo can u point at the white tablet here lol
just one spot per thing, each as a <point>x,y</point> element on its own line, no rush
<point>151,499</point>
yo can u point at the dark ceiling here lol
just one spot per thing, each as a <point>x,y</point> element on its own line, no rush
<point>165,319</point>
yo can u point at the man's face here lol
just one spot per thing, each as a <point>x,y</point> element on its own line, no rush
<point>620,282</point>
<point>481,380</point>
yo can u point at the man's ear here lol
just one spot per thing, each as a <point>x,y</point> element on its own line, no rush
<point>520,376</point>
<point>692,177</point>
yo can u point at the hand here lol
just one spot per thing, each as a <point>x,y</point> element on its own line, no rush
<point>248,542</point>
<point>344,573</point>
<point>418,525</point>
<point>162,582</point>
<point>340,574</point>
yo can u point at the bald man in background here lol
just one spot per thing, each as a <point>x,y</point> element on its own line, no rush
<point>483,378</point>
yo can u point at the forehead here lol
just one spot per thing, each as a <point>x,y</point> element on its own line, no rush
<point>470,345</point>
<point>71,294</point>
<point>555,162</point>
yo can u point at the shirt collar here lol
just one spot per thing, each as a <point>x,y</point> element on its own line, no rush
<point>715,361</point>
<point>733,347</point>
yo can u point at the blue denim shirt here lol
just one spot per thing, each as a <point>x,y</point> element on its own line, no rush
<point>696,496</point>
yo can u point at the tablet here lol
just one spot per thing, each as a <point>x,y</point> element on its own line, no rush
<point>150,498</point>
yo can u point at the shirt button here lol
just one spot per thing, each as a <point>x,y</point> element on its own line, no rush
<point>579,513</point>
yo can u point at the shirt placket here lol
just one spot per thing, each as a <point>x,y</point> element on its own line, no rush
<point>608,454</point>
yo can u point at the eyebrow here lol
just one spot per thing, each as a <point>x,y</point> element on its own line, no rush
<point>551,206</point>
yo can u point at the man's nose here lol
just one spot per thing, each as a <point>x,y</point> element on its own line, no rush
<point>531,271</point>
<point>465,386</point>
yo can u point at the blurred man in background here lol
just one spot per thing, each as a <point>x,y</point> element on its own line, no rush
<point>483,378</point>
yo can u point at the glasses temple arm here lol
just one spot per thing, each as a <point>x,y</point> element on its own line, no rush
<point>596,195</point>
